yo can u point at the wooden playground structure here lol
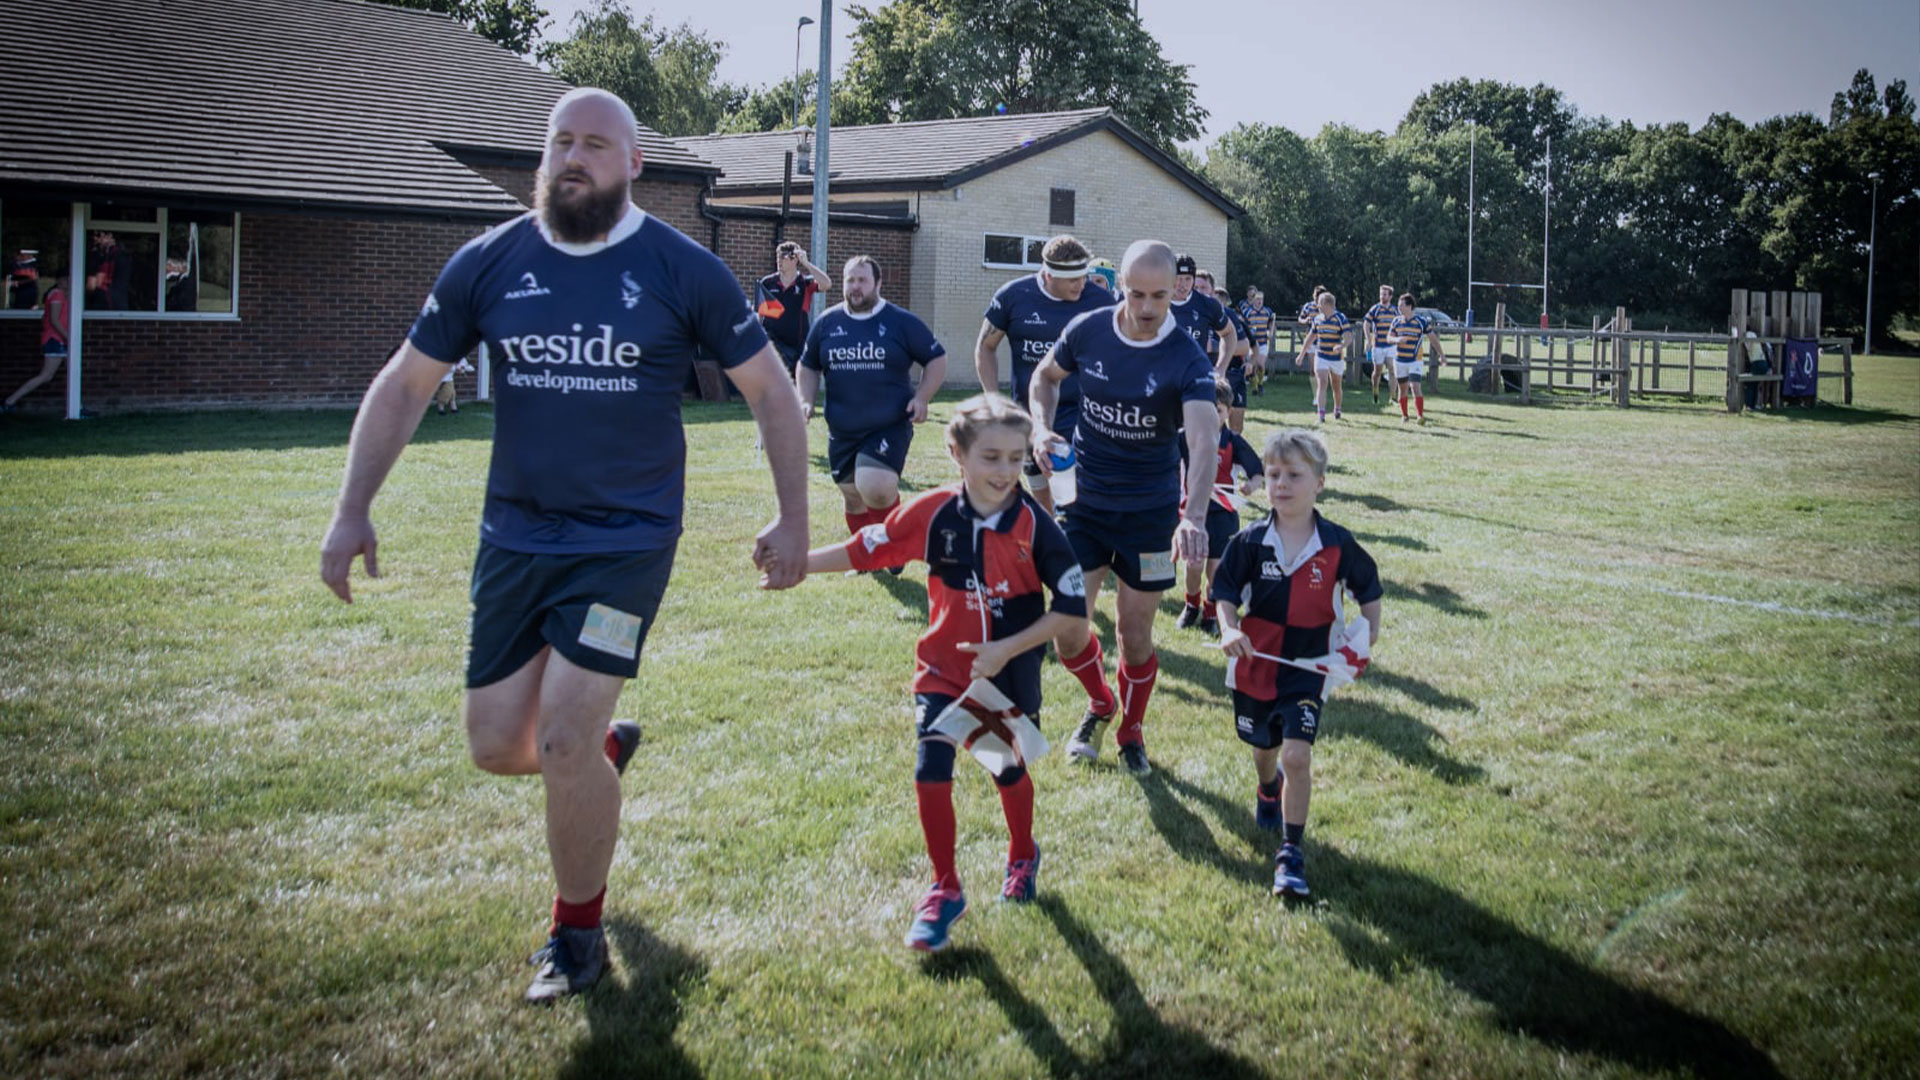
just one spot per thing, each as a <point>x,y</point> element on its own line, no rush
<point>1612,360</point>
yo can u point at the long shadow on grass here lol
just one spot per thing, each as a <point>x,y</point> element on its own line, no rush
<point>1419,690</point>
<point>1408,738</point>
<point>1371,502</point>
<point>1141,1043</point>
<point>911,594</point>
<point>1435,595</point>
<point>1829,413</point>
<point>1536,989</point>
<point>1408,542</point>
<point>630,1028</point>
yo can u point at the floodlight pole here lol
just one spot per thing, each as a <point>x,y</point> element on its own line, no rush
<point>1873,226</point>
<point>822,91</point>
<point>805,21</point>
<point>1473,131</point>
<point>1546,230</point>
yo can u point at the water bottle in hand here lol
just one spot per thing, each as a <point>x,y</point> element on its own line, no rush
<point>1062,483</point>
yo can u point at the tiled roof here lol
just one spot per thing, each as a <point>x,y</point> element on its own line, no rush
<point>320,104</point>
<point>925,154</point>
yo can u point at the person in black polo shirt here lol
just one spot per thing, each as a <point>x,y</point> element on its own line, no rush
<point>784,299</point>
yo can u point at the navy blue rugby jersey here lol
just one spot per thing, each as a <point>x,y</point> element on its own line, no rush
<point>1132,398</point>
<point>1201,318</point>
<point>1239,322</point>
<point>590,347</point>
<point>1032,319</point>
<point>866,360</point>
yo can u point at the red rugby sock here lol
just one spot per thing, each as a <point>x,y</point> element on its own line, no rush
<point>936,822</point>
<point>1016,801</point>
<point>1136,686</point>
<point>1091,669</point>
<point>581,916</point>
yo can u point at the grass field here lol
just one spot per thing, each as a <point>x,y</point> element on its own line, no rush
<point>1633,787</point>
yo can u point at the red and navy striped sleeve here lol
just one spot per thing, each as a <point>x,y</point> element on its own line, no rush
<point>901,538</point>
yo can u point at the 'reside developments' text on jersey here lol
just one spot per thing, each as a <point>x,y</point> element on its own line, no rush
<point>590,351</point>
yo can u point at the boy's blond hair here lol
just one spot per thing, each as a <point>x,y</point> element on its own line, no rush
<point>982,411</point>
<point>1300,443</point>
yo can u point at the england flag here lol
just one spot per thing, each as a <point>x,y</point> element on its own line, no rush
<point>998,734</point>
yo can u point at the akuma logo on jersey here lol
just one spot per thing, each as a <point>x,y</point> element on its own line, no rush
<point>1094,371</point>
<point>529,286</point>
<point>1034,319</point>
<point>630,290</point>
<point>431,307</point>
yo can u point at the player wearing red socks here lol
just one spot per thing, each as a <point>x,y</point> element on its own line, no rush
<point>1141,382</point>
<point>992,557</point>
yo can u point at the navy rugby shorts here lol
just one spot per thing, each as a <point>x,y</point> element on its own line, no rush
<point>1138,544</point>
<point>595,610</point>
<point>883,448</point>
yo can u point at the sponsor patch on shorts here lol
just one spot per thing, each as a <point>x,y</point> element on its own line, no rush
<point>1155,565</point>
<point>612,631</point>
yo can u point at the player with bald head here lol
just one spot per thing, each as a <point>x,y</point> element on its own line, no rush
<point>591,310</point>
<point>1142,381</point>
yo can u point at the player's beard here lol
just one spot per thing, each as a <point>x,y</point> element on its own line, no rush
<point>582,218</point>
<point>863,304</point>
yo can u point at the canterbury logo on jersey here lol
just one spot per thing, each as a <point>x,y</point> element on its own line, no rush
<point>598,351</point>
<point>529,286</point>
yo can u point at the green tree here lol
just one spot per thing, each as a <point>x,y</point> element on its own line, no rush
<point>941,59</point>
<point>667,76</point>
<point>512,23</point>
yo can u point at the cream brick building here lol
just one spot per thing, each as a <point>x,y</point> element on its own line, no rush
<point>985,193</point>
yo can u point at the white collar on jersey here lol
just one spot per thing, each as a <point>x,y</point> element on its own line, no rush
<point>628,224</point>
<point>878,305</point>
<point>1166,327</point>
<point>1308,550</point>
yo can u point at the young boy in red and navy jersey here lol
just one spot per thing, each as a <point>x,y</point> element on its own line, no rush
<point>992,557</point>
<point>1279,593</point>
<point>1223,517</point>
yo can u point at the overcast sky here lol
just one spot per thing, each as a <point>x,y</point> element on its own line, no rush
<point>1649,61</point>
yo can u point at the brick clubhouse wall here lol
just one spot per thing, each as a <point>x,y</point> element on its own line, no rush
<point>746,245</point>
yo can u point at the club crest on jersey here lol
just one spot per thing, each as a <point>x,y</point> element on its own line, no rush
<point>529,286</point>
<point>1153,384</point>
<point>630,290</point>
<point>1319,577</point>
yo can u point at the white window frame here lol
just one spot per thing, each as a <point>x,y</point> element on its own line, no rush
<point>157,227</point>
<point>1026,244</point>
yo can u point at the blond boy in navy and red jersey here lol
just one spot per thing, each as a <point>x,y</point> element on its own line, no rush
<point>1380,345</point>
<point>1407,330</point>
<point>1142,381</point>
<point>593,310</point>
<point>1279,592</point>
<point>993,555</point>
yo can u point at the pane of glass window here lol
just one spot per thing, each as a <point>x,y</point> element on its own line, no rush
<point>123,271</point>
<point>1034,247</point>
<point>199,261</point>
<point>1003,249</point>
<point>33,249</point>
<point>101,211</point>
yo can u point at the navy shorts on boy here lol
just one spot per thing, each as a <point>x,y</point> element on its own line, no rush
<point>867,363</point>
<point>1289,609</point>
<point>987,580</point>
<point>1265,724</point>
<point>595,610</point>
<point>885,448</point>
<point>591,345</point>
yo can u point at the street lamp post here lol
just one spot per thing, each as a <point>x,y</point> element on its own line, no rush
<point>805,21</point>
<point>1873,225</point>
